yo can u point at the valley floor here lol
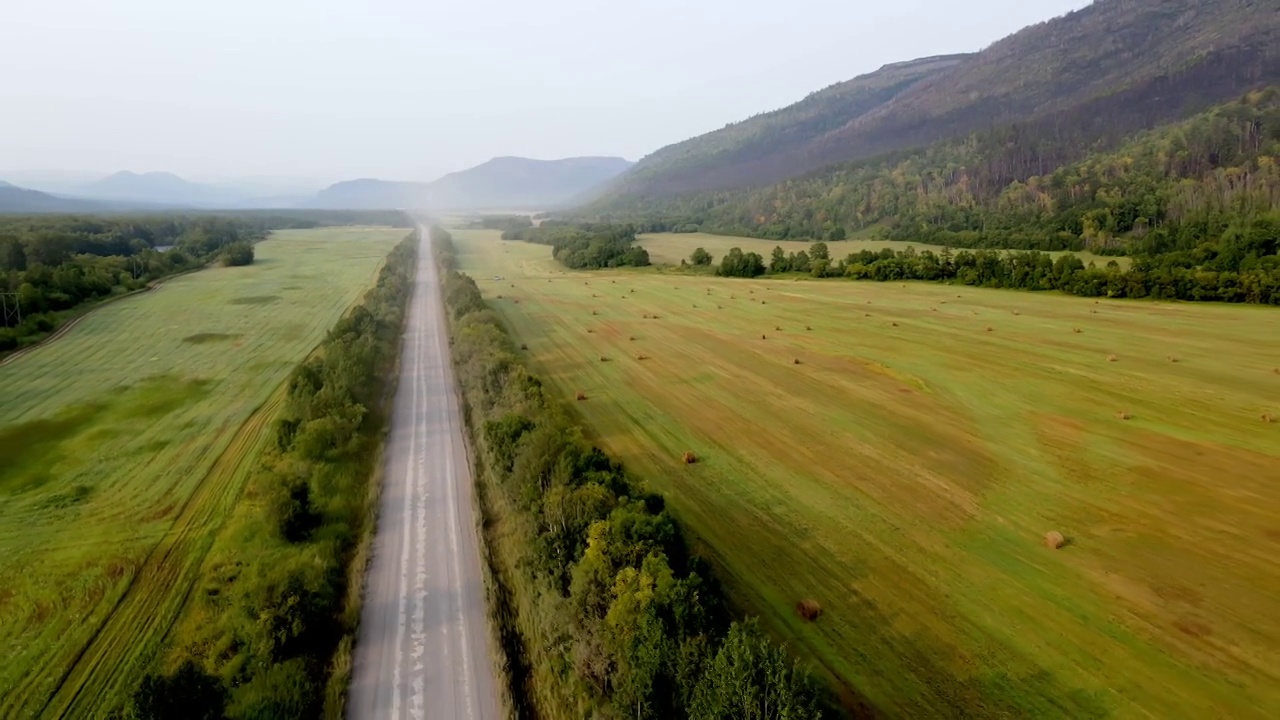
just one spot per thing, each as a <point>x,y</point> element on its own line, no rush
<point>898,453</point>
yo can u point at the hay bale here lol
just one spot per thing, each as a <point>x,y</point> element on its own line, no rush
<point>593,312</point>
<point>1017,312</point>
<point>777,328</point>
<point>604,359</point>
<point>990,329</point>
<point>688,458</point>
<point>763,302</point>
<point>1054,540</point>
<point>580,396</point>
<point>516,301</point>
<point>795,361</point>
<point>590,331</point>
<point>524,346</point>
<point>1268,418</point>
<point>893,324</point>
<point>1173,358</point>
<point>1122,415</point>
<point>642,357</point>
<point>809,609</point>
<point>632,338</point>
<point>762,337</point>
<point>1077,331</point>
<point>810,329</point>
<point>1113,358</point>
<point>646,316</point>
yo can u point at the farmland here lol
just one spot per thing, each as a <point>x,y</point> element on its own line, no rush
<point>125,444</point>
<point>897,453</point>
<point>671,248</point>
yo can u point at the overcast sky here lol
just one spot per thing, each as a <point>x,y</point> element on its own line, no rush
<point>411,89</point>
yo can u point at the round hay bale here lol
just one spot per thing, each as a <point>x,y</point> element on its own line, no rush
<point>688,458</point>
<point>893,324</point>
<point>593,312</point>
<point>1077,331</point>
<point>499,297</point>
<point>524,346</point>
<point>604,359</point>
<point>1054,540</point>
<point>762,337</point>
<point>809,609</point>
<point>990,329</point>
<point>580,396</point>
<point>777,328</point>
<point>1122,415</point>
<point>1268,418</point>
<point>632,338</point>
<point>810,329</point>
<point>795,361</point>
<point>1017,312</point>
<point>1173,358</point>
<point>590,331</point>
<point>1113,358</point>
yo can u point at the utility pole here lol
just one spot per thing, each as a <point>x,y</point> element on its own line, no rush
<point>11,309</point>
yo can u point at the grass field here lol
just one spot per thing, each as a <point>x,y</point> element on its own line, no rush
<point>671,248</point>
<point>123,446</point>
<point>905,472</point>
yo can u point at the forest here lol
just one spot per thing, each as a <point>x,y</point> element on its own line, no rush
<point>600,602</point>
<point>58,264</point>
<point>1171,188</point>
<point>585,246</point>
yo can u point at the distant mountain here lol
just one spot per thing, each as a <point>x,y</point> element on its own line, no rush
<point>502,183</point>
<point>160,188</point>
<point>14,199</point>
<point>1093,76</point>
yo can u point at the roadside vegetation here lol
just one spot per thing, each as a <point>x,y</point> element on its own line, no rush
<point>270,630</point>
<point>602,608</point>
<point>126,443</point>
<point>585,246</point>
<point>947,479</point>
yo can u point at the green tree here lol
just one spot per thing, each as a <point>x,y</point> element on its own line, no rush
<point>188,694</point>
<point>778,261</point>
<point>700,257</point>
<point>237,254</point>
<point>819,251</point>
<point>753,679</point>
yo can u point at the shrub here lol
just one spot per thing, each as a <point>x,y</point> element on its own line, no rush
<point>188,693</point>
<point>237,254</point>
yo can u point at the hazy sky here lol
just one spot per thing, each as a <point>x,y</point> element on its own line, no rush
<point>410,89</point>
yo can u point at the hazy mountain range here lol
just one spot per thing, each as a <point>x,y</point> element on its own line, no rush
<point>501,183</point>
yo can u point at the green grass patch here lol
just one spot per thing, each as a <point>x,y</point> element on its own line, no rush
<point>125,444</point>
<point>904,475</point>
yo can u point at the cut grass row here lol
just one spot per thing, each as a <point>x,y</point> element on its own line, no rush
<point>124,446</point>
<point>905,472</point>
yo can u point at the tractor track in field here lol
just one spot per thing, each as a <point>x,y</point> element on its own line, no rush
<point>141,619</point>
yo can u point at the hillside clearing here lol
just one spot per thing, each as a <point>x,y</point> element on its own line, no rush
<point>125,444</point>
<point>906,475</point>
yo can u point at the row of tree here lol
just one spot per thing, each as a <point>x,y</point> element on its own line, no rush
<point>1213,273</point>
<point>280,625</point>
<point>586,246</point>
<point>604,610</point>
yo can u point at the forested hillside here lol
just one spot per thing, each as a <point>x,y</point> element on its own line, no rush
<point>1054,92</point>
<point>774,145</point>
<point>1170,188</point>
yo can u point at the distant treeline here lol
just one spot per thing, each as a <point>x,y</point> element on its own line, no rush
<point>505,223</point>
<point>57,263</point>
<point>282,610</point>
<point>1021,187</point>
<point>602,609</point>
<point>1244,268</point>
<point>586,246</point>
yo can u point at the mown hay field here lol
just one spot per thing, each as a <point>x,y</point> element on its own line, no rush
<point>671,248</point>
<point>901,455</point>
<point>124,444</point>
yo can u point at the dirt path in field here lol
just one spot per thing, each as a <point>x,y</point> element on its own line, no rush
<point>68,325</point>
